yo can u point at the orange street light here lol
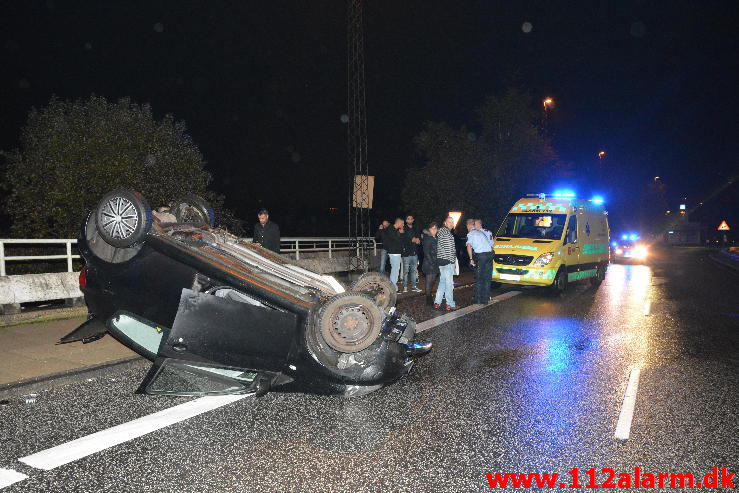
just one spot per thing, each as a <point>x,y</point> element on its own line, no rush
<point>548,102</point>
<point>601,154</point>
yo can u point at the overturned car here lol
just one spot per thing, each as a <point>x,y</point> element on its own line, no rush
<point>218,315</point>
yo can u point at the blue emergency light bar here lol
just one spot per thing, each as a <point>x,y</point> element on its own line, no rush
<point>564,194</point>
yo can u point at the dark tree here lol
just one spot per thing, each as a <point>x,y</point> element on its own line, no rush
<point>71,153</point>
<point>482,167</point>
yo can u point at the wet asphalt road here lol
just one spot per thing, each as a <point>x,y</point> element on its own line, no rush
<point>530,384</point>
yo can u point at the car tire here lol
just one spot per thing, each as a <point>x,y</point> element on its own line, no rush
<point>600,275</point>
<point>349,322</point>
<point>559,286</point>
<point>378,287</point>
<point>193,209</point>
<point>91,241</point>
<point>123,218</point>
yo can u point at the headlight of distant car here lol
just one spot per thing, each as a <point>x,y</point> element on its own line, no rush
<point>619,251</point>
<point>544,258</point>
<point>640,252</point>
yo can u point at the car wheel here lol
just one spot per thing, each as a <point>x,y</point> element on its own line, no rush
<point>123,218</point>
<point>600,275</point>
<point>349,322</point>
<point>377,286</point>
<point>193,209</point>
<point>96,245</point>
<point>559,286</point>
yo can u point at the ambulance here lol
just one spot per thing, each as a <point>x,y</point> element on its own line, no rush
<point>552,240</point>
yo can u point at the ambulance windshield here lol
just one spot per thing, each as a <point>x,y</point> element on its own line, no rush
<point>536,226</point>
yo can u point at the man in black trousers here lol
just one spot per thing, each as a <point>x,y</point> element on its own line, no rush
<point>480,250</point>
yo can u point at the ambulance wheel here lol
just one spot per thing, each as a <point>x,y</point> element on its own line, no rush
<point>600,275</point>
<point>559,286</point>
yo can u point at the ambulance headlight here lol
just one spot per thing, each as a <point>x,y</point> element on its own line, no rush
<point>544,258</point>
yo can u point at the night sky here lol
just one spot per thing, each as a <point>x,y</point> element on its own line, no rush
<point>262,87</point>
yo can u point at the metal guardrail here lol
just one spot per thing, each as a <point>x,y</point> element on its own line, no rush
<point>329,245</point>
<point>67,256</point>
<point>294,245</point>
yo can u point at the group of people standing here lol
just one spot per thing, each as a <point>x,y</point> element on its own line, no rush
<point>402,243</point>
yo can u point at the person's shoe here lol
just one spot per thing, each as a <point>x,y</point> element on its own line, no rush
<point>437,306</point>
<point>416,290</point>
<point>451,308</point>
<point>405,289</point>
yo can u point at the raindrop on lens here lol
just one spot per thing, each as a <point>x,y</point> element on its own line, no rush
<point>30,398</point>
<point>344,118</point>
<point>159,27</point>
<point>527,27</point>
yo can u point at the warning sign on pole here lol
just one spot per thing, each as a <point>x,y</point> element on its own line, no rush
<point>723,226</point>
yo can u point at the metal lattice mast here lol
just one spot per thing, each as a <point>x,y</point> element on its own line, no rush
<point>359,220</point>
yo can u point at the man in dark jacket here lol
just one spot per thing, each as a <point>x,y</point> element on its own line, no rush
<point>266,232</point>
<point>410,256</point>
<point>380,238</point>
<point>394,239</point>
<point>430,267</point>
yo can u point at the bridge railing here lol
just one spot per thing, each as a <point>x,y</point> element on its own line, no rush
<point>69,256</point>
<point>295,245</point>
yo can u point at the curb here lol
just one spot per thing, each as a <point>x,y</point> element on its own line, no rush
<point>38,316</point>
<point>70,376</point>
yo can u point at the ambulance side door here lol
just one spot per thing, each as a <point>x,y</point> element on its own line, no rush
<point>571,249</point>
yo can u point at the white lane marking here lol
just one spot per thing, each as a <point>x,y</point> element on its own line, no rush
<point>9,476</point>
<point>435,322</point>
<point>623,427</point>
<point>97,442</point>
<point>647,306</point>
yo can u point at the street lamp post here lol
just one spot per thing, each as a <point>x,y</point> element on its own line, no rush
<point>548,104</point>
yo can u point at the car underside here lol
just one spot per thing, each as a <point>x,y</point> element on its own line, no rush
<point>216,314</point>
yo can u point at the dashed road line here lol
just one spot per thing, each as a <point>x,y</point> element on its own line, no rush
<point>623,427</point>
<point>647,306</point>
<point>9,476</point>
<point>82,447</point>
<point>435,322</point>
